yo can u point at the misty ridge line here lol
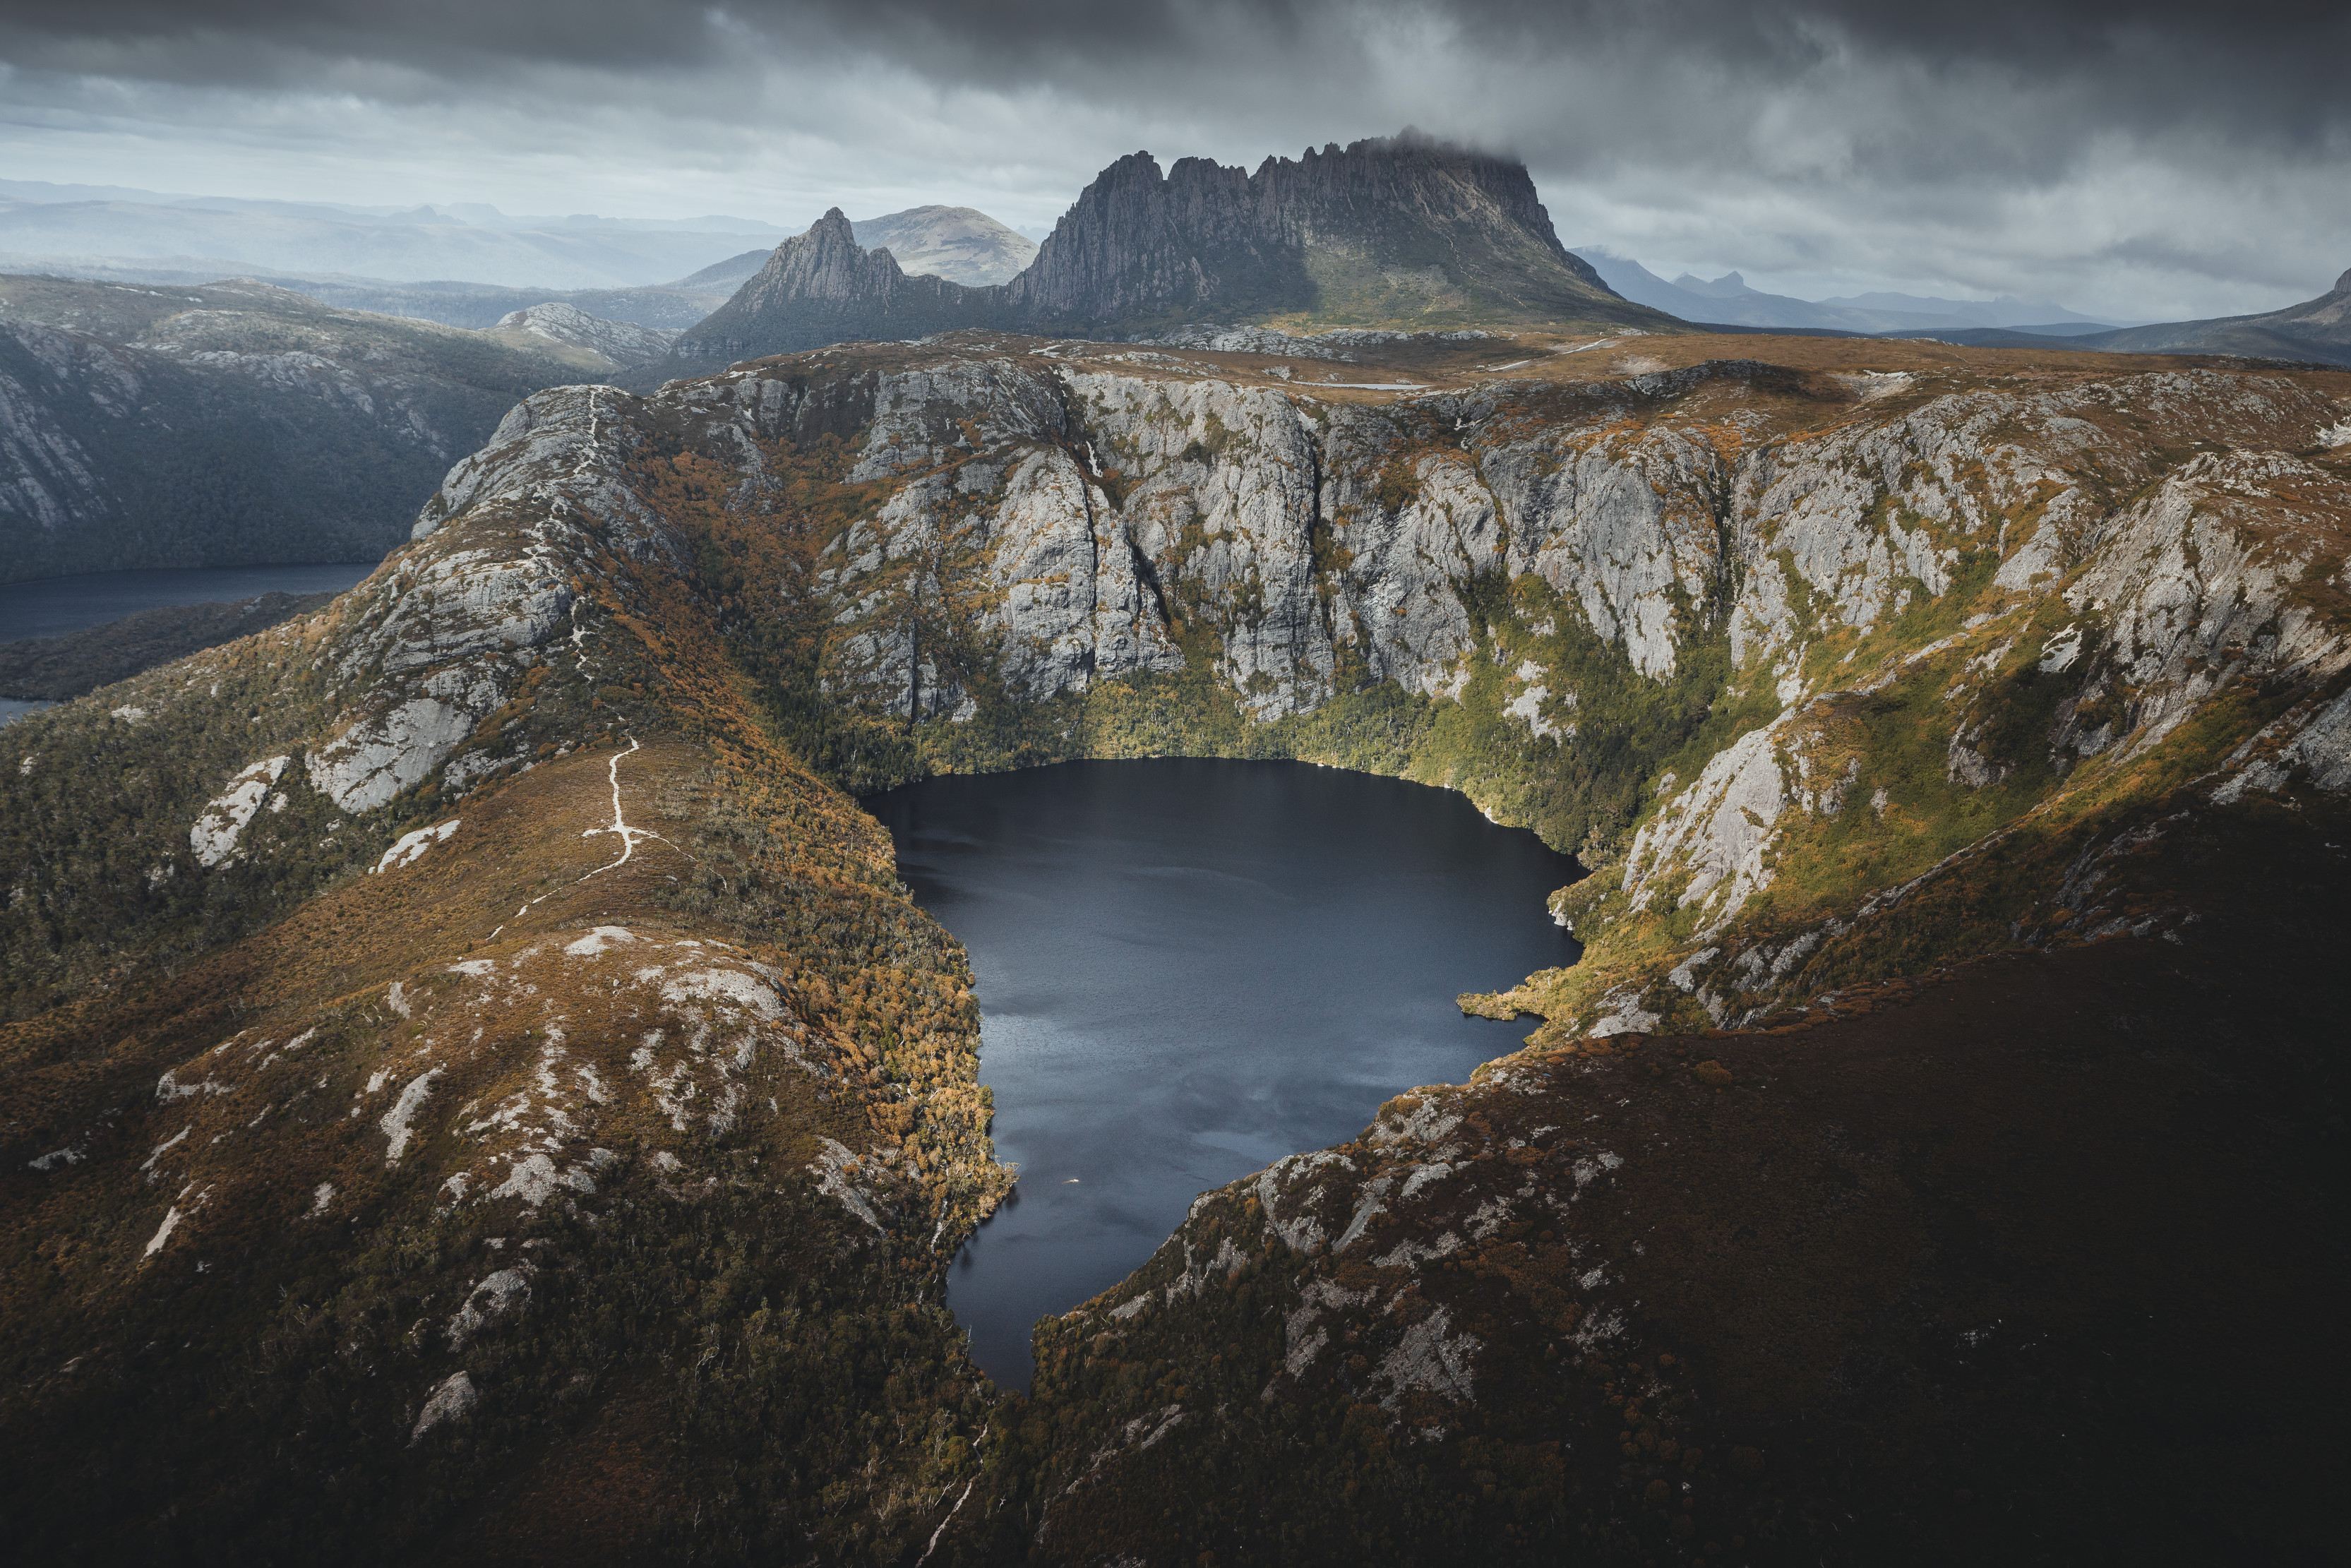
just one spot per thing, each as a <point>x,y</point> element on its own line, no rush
<point>102,232</point>
<point>961,248</point>
<point>2134,161</point>
<point>694,236</point>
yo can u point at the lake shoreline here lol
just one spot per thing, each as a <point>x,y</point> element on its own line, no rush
<point>1188,968</point>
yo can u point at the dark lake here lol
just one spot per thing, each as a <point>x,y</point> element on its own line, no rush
<point>55,605</point>
<point>1188,969</point>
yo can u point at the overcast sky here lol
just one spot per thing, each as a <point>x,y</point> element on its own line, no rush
<point>2147,161</point>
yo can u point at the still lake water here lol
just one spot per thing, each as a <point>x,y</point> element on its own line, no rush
<point>53,606</point>
<point>1190,968</point>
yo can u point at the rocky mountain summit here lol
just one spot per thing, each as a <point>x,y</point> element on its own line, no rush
<point>479,1089</point>
<point>1401,231</point>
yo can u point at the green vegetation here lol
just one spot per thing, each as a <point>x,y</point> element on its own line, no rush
<point>1647,1299</point>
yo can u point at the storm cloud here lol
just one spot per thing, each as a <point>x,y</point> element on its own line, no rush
<point>2142,160</point>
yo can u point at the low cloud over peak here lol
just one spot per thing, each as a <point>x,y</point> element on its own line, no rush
<point>2141,160</point>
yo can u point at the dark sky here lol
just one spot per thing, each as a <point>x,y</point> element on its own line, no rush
<point>2142,160</point>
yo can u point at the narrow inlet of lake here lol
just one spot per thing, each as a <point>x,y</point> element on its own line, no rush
<point>1189,969</point>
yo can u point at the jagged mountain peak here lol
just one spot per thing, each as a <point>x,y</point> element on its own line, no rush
<point>1402,227</point>
<point>1400,231</point>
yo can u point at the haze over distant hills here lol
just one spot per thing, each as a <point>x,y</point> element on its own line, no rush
<point>2316,329</point>
<point>401,261</point>
<point>1729,300</point>
<point>961,244</point>
<point>49,228</point>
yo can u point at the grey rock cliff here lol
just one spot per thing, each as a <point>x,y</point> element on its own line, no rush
<point>2036,566</point>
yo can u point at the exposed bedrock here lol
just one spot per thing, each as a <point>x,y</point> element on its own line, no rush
<point>475,1005</point>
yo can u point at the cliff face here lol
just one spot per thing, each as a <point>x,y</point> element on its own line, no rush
<point>1401,230</point>
<point>1140,246</point>
<point>474,1007</point>
<point>1791,656</point>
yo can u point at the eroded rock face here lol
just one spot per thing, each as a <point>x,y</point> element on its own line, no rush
<point>1117,506</point>
<point>1718,831</point>
<point>1038,527</point>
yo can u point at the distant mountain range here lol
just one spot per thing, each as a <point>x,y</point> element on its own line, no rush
<point>128,236</point>
<point>1401,231</point>
<point>236,422</point>
<point>2313,331</point>
<point>477,214</point>
<point>1730,302</point>
<point>226,238</point>
<point>2316,329</point>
